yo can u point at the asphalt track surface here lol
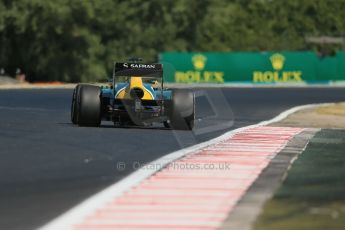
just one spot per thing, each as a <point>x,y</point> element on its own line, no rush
<point>48,165</point>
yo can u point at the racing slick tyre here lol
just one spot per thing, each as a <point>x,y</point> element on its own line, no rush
<point>182,111</point>
<point>74,105</point>
<point>88,105</point>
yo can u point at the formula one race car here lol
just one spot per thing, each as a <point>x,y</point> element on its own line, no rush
<point>135,96</point>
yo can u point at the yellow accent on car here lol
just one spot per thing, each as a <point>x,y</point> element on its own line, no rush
<point>134,82</point>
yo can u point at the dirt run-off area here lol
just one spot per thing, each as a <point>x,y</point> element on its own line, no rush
<point>328,116</point>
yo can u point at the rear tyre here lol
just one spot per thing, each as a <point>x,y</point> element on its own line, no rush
<point>74,105</point>
<point>182,111</point>
<point>88,105</point>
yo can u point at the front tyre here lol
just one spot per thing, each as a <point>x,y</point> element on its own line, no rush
<point>89,105</point>
<point>182,111</point>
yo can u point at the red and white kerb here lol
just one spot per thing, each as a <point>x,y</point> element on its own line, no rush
<point>197,191</point>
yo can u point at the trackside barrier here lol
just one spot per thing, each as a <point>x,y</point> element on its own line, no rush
<point>252,67</point>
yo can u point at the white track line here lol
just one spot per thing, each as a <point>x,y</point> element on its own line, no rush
<point>75,215</point>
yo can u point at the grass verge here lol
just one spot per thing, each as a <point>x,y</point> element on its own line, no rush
<point>313,195</point>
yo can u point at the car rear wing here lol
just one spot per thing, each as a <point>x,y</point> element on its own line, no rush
<point>138,69</point>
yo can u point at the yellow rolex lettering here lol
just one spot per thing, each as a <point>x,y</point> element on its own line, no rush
<point>189,76</point>
<point>297,76</point>
<point>207,76</point>
<point>213,77</point>
<point>219,77</point>
<point>286,76</point>
<point>268,76</point>
<point>258,76</point>
<point>179,77</point>
<point>276,76</point>
<point>197,76</point>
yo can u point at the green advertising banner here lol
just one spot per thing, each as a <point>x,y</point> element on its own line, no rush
<point>251,67</point>
<point>340,66</point>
